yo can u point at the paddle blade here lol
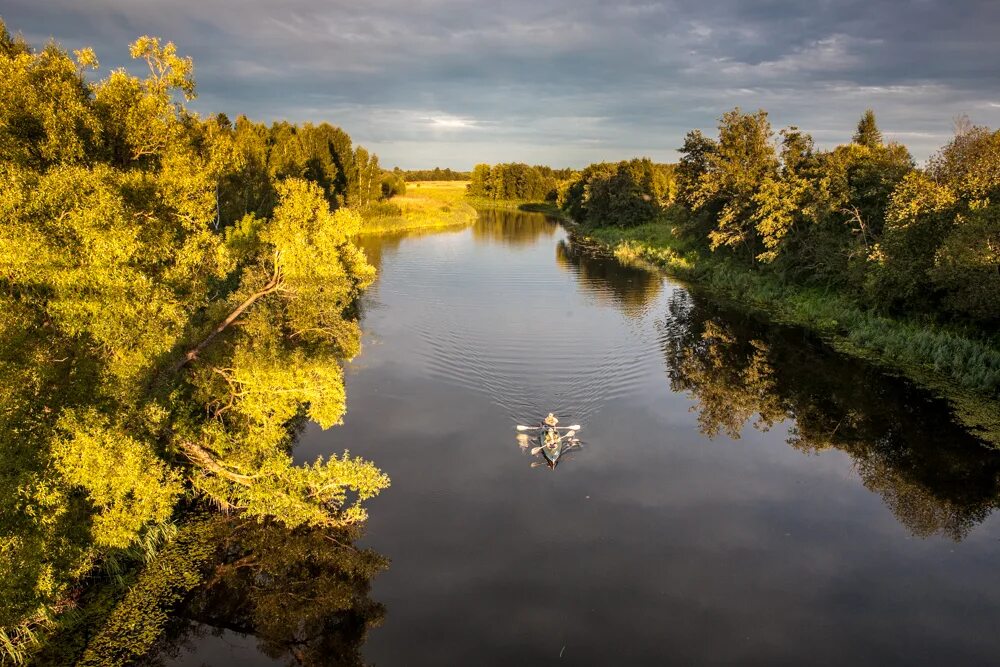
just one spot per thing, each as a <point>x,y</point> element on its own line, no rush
<point>534,452</point>
<point>575,427</point>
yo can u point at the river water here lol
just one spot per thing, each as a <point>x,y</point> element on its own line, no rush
<point>742,494</point>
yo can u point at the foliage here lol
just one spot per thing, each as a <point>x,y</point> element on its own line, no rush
<point>393,184</point>
<point>177,296</point>
<point>858,218</point>
<point>868,134</point>
<point>512,181</point>
<point>435,174</point>
<point>625,194</point>
<point>742,160</point>
<point>303,594</point>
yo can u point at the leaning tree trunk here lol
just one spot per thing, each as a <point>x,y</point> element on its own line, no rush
<point>273,285</point>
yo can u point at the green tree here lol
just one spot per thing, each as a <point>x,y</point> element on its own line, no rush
<point>480,180</point>
<point>135,236</point>
<point>919,215</point>
<point>741,161</point>
<point>868,134</point>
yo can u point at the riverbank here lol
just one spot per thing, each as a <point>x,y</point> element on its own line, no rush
<point>546,207</point>
<point>960,365</point>
<point>426,204</point>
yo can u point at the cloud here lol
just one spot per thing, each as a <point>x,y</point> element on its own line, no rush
<point>418,80</point>
<point>446,122</point>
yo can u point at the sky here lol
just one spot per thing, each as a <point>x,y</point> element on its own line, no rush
<point>448,83</point>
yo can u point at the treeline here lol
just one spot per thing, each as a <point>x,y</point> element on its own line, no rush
<point>622,194</point>
<point>177,294</point>
<point>516,181</point>
<point>435,174</point>
<point>860,217</point>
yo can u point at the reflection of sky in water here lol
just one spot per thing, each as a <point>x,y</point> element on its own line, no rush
<point>654,544</point>
<point>492,313</point>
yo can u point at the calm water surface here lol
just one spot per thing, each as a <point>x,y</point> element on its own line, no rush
<point>743,495</point>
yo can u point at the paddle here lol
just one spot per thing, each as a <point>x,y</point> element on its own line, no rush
<point>574,427</point>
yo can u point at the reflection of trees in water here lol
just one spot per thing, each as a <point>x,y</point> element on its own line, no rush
<point>934,477</point>
<point>631,289</point>
<point>375,246</point>
<point>512,227</point>
<point>303,594</point>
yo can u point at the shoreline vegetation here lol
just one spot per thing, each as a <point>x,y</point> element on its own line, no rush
<point>178,295</point>
<point>953,363</point>
<point>890,262</point>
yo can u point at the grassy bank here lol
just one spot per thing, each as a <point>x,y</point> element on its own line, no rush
<point>548,208</point>
<point>497,204</point>
<point>426,204</point>
<point>961,365</point>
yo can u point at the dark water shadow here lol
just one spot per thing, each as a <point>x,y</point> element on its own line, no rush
<point>935,477</point>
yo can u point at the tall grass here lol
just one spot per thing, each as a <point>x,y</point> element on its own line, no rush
<point>425,204</point>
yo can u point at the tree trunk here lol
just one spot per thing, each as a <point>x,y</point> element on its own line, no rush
<point>200,457</point>
<point>272,285</point>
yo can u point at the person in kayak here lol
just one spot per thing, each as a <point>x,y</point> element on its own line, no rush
<point>550,437</point>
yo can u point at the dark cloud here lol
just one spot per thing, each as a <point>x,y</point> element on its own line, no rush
<point>427,82</point>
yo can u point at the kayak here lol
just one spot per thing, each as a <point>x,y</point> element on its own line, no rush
<point>552,445</point>
<point>551,442</point>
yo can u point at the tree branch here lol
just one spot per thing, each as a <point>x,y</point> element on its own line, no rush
<point>201,457</point>
<point>273,285</point>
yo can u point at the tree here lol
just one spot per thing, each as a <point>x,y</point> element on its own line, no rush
<point>741,161</point>
<point>918,217</point>
<point>393,185</point>
<point>868,134</point>
<point>136,238</point>
<point>967,263</point>
<point>624,194</point>
<point>782,200</point>
<point>369,183</point>
<point>479,185</point>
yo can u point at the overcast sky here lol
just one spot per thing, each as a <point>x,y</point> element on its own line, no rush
<point>565,82</point>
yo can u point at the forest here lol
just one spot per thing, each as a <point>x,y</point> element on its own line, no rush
<point>177,295</point>
<point>860,218</point>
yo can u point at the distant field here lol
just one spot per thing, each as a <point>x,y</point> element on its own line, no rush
<point>425,204</point>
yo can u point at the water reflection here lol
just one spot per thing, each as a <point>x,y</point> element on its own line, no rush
<point>656,545</point>
<point>933,476</point>
<point>300,596</point>
<point>607,280</point>
<point>303,594</point>
<point>514,228</point>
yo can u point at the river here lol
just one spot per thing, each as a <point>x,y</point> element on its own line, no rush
<point>742,494</point>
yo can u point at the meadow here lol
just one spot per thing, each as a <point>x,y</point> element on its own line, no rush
<point>426,204</point>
